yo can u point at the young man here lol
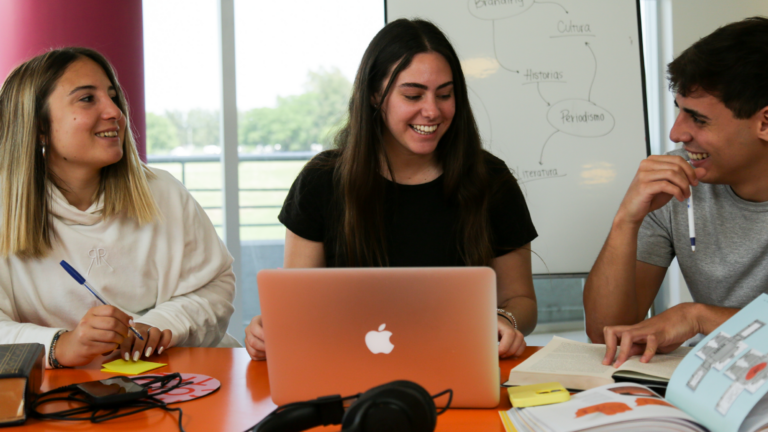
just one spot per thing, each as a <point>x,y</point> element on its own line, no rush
<point>721,85</point>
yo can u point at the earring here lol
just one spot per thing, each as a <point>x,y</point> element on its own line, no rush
<point>42,150</point>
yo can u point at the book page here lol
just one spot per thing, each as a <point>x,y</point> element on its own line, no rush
<point>726,374</point>
<point>661,365</point>
<point>757,418</point>
<point>626,403</point>
<point>567,357</point>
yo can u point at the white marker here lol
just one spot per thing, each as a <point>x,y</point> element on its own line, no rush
<point>691,227</point>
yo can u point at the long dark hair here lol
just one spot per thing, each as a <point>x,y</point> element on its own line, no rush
<point>360,143</point>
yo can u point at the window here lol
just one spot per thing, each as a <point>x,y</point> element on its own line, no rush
<point>183,96</point>
<point>295,66</point>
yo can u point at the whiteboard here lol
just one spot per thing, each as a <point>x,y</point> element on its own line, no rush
<point>557,90</point>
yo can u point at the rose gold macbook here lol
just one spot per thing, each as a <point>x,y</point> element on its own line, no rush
<point>344,331</point>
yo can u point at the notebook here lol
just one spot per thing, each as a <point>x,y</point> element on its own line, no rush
<point>344,331</point>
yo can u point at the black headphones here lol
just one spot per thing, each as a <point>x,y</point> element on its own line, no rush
<point>397,406</point>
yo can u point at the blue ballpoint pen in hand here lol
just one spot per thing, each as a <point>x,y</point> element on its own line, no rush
<point>81,280</point>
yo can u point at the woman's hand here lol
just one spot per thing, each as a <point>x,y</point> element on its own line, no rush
<point>254,339</point>
<point>101,330</point>
<point>511,340</point>
<point>155,342</point>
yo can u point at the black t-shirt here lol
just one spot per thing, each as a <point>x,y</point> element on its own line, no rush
<point>419,221</point>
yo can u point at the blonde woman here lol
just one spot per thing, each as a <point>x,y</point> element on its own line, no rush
<point>73,188</point>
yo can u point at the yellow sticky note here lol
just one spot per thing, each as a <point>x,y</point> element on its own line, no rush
<point>129,367</point>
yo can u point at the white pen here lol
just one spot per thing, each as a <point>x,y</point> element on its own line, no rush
<point>691,226</point>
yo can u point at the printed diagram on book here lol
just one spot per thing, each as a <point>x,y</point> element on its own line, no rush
<point>749,372</point>
<point>646,398</point>
<point>575,116</point>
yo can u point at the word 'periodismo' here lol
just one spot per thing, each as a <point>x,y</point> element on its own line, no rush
<point>585,117</point>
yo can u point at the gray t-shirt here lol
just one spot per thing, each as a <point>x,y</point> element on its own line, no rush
<point>730,265</point>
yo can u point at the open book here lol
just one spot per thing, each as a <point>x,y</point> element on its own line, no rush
<point>720,385</point>
<point>578,366</point>
<point>614,407</point>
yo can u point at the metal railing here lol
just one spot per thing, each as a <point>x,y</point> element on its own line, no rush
<point>263,157</point>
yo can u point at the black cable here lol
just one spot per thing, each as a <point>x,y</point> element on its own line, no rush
<point>165,407</point>
<point>450,398</point>
<point>96,413</point>
<point>282,408</point>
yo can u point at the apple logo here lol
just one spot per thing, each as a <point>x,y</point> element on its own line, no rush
<point>378,341</point>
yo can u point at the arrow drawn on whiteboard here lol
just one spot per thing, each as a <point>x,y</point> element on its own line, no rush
<point>541,157</point>
<point>538,87</point>
<point>541,2</point>
<point>493,24</point>
<point>589,96</point>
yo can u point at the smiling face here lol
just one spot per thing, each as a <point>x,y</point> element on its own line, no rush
<point>87,128</point>
<point>419,107</point>
<point>728,148</point>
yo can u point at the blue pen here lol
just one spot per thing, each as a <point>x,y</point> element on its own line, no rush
<point>81,280</point>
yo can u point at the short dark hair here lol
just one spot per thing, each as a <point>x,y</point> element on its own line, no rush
<point>730,64</point>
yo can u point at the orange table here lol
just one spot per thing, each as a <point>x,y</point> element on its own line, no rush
<point>242,400</point>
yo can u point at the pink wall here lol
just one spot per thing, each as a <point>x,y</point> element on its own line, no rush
<point>112,27</point>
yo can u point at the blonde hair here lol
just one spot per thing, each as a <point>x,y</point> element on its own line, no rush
<point>26,229</point>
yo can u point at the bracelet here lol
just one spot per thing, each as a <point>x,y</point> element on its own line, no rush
<point>508,315</point>
<point>52,352</point>
<point>507,318</point>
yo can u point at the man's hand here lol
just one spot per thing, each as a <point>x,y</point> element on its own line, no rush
<point>658,179</point>
<point>619,288</point>
<point>663,334</point>
<point>511,342</point>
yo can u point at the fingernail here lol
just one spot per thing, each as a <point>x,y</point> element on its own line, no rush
<point>149,351</point>
<point>159,350</point>
<point>130,322</point>
<point>127,356</point>
<point>136,355</point>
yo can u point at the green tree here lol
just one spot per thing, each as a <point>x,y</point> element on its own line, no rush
<point>179,121</point>
<point>301,120</point>
<point>204,127</point>
<point>161,134</point>
<point>197,127</point>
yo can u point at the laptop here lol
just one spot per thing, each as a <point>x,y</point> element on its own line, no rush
<point>345,330</point>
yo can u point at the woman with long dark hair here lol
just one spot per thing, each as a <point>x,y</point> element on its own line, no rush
<point>409,183</point>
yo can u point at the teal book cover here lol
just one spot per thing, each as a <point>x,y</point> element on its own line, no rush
<point>722,379</point>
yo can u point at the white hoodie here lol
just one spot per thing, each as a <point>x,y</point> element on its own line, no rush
<point>172,274</point>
